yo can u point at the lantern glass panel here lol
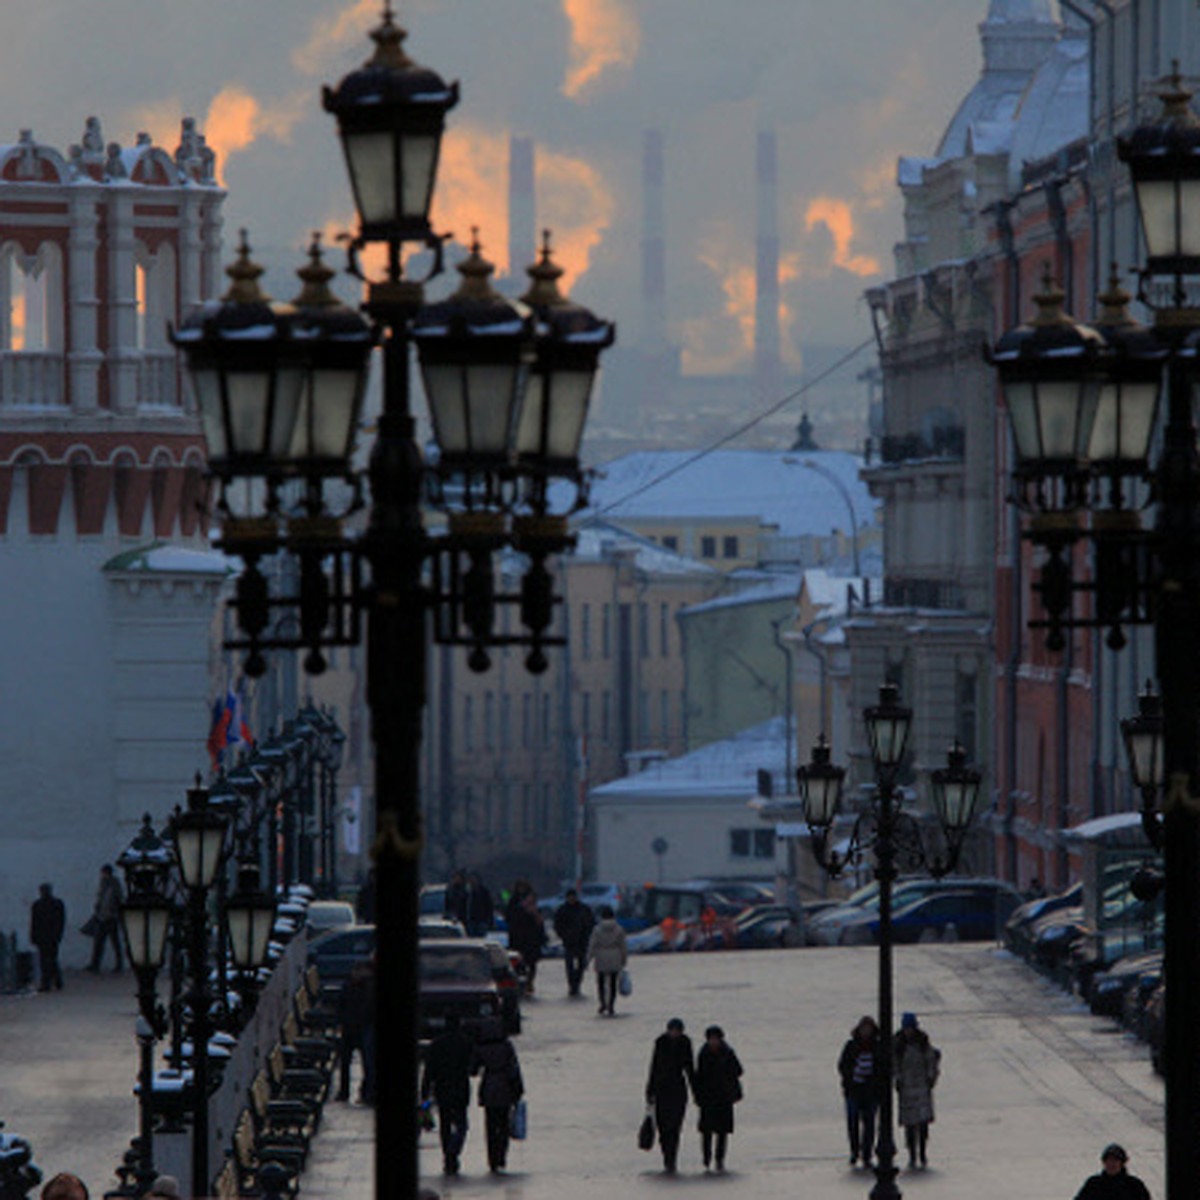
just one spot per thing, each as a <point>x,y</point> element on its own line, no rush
<point>289,387</point>
<point>199,849</point>
<point>1145,749</point>
<point>417,166</point>
<point>1065,408</point>
<point>1156,201</point>
<point>249,933</point>
<point>206,389</point>
<point>955,801</point>
<point>249,394</point>
<point>1021,402</point>
<point>553,415</point>
<point>1189,214</point>
<point>1124,422</point>
<point>372,164</point>
<point>889,736</point>
<point>821,795</point>
<point>328,416</point>
<point>146,929</point>
<point>489,393</point>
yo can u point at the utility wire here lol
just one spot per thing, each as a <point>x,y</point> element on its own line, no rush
<point>734,434</point>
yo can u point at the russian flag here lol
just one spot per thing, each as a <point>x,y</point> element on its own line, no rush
<point>218,735</point>
<point>238,733</point>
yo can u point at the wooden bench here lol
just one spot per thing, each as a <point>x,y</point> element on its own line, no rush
<point>250,1155</point>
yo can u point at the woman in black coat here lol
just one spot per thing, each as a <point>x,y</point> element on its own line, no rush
<point>500,1087</point>
<point>858,1069</point>
<point>671,1075</point>
<point>718,1089</point>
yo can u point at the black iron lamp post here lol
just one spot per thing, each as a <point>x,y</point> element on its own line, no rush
<point>891,834</point>
<point>146,916</point>
<point>489,478</point>
<point>1142,576</point>
<point>199,853</point>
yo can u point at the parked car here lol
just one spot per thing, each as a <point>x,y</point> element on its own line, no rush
<point>456,976</point>
<point>433,900</point>
<point>508,970</point>
<point>975,912</point>
<point>1018,928</point>
<point>1109,988</point>
<point>323,915</point>
<point>439,927</point>
<point>768,926</point>
<point>335,953</point>
<point>682,902</point>
<point>848,923</point>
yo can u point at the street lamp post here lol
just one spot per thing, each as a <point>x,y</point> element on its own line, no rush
<point>146,915</point>
<point>843,491</point>
<point>891,834</point>
<point>199,854</point>
<point>1084,403</point>
<point>280,388</point>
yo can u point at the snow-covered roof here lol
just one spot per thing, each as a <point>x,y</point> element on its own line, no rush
<point>780,587</point>
<point>728,768</point>
<point>1123,827</point>
<point>828,592</point>
<point>172,560</point>
<point>598,540</point>
<point>772,486</point>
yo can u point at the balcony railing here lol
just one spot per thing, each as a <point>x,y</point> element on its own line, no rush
<point>32,379</point>
<point>945,441</point>
<point>158,379</point>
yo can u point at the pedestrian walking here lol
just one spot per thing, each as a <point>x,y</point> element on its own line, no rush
<point>718,1088</point>
<point>573,922</point>
<point>364,902</point>
<point>447,1081</point>
<point>608,952</point>
<point>915,1065</point>
<point>672,1076</point>
<point>526,929</point>
<point>454,902</point>
<point>858,1067</point>
<point>494,1059</point>
<point>356,1013</point>
<point>1114,1182</point>
<point>47,920</point>
<point>481,912</point>
<point>106,915</point>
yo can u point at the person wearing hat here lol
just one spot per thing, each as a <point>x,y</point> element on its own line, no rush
<point>718,1088</point>
<point>671,1076</point>
<point>1114,1182</point>
<point>916,1063</point>
<point>165,1186</point>
<point>858,1069</point>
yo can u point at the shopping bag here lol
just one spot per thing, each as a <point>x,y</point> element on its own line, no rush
<point>646,1131</point>
<point>89,927</point>
<point>625,983</point>
<point>518,1121</point>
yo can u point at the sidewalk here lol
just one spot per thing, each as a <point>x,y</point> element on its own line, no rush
<point>1032,1087</point>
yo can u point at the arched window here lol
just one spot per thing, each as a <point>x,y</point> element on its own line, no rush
<point>31,326</point>
<point>155,283</point>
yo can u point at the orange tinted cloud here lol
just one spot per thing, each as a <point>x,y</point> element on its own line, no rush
<point>604,34</point>
<point>329,38</point>
<point>837,218</point>
<point>16,318</point>
<point>575,203</point>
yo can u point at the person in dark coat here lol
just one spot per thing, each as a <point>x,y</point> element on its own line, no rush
<point>718,1088</point>
<point>480,910</point>
<point>47,920</point>
<point>364,902</point>
<point>573,923</point>
<point>494,1059</point>
<point>1114,1182</point>
<point>454,902</point>
<point>107,918</point>
<point>858,1067</point>
<point>672,1074</point>
<point>526,932</point>
<point>447,1080</point>
<point>356,1012</point>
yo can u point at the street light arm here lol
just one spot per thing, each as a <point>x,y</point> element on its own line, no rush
<point>844,492</point>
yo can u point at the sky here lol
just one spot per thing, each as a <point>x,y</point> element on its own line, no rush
<point>848,86</point>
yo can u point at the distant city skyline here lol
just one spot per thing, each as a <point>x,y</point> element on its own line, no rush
<point>845,88</point>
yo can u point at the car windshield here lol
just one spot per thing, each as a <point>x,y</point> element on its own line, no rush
<point>454,964</point>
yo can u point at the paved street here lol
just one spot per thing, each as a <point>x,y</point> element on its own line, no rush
<point>1032,1084</point>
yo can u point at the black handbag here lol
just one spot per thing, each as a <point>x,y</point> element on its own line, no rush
<point>646,1132</point>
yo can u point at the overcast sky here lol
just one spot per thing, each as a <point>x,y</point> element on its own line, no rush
<point>847,84</point>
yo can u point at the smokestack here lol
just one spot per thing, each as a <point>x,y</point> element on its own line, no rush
<point>654,258</point>
<point>522,209</point>
<point>766,302</point>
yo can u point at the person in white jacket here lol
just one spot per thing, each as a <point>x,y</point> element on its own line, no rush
<point>607,950</point>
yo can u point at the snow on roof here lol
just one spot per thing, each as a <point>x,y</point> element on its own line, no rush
<point>599,539</point>
<point>769,485</point>
<point>781,587</point>
<point>172,560</point>
<point>910,169</point>
<point>727,768</point>
<point>829,591</point>
<point>1104,828</point>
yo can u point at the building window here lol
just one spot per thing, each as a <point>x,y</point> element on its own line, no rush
<point>729,547</point>
<point>585,632</point>
<point>585,714</point>
<point>488,816</point>
<point>545,718</point>
<point>708,547</point>
<point>502,815</point>
<point>644,630</point>
<point>670,542</point>
<point>644,718</point>
<point>606,631</point>
<point>489,721</point>
<point>664,715</point>
<point>526,719</point>
<point>505,721</point>
<point>752,843</point>
<point>606,717</point>
<point>545,813</point>
<point>527,824</point>
<point>469,723</point>
<point>664,629</point>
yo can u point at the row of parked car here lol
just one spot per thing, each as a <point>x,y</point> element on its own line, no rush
<point>1113,961</point>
